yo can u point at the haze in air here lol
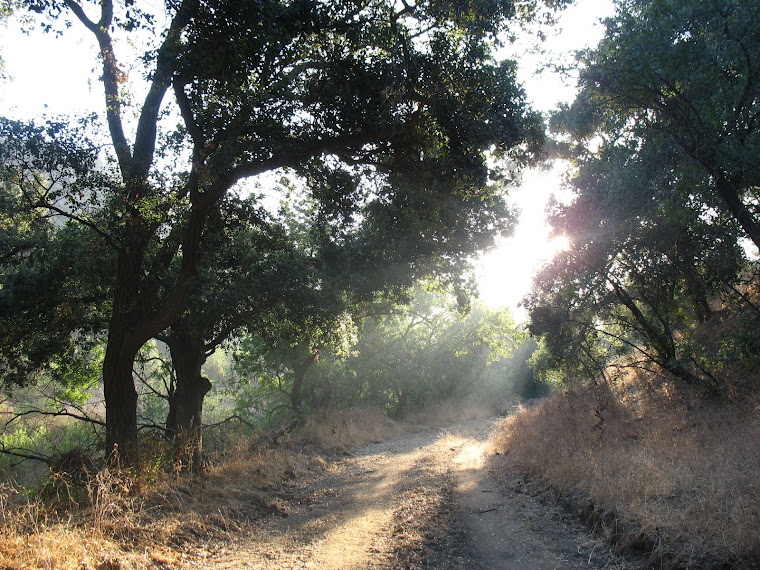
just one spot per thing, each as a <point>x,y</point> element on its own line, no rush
<point>193,377</point>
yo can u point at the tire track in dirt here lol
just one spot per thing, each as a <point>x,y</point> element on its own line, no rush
<point>425,500</point>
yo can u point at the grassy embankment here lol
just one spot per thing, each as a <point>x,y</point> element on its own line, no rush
<point>655,468</point>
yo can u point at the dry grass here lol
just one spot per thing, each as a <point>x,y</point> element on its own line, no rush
<point>659,472</point>
<point>34,536</point>
<point>346,430</point>
<point>449,412</point>
<point>165,519</point>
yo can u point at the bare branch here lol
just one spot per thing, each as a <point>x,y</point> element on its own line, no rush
<point>24,454</point>
<point>228,420</point>
<point>60,413</point>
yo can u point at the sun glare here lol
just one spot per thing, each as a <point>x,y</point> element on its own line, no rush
<point>505,273</point>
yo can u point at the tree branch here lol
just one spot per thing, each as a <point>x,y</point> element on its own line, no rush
<point>228,420</point>
<point>145,138</point>
<point>23,454</point>
<point>112,77</point>
<point>61,413</point>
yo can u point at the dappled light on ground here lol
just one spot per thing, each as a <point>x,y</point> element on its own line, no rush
<point>471,456</point>
<point>424,500</point>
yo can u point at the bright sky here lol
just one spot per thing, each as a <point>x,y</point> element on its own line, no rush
<point>54,75</point>
<point>505,274</point>
<point>47,74</point>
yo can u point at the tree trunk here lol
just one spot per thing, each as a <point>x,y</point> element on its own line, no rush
<point>403,398</point>
<point>121,402</point>
<point>134,321</point>
<point>662,342</point>
<point>728,191</point>
<point>299,373</point>
<point>184,422</point>
<point>700,305</point>
<point>682,373</point>
<point>121,351</point>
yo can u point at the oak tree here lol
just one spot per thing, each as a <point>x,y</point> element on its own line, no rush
<point>408,91</point>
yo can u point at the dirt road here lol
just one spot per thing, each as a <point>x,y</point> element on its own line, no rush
<point>432,499</point>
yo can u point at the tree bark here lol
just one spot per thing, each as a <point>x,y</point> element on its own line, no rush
<point>121,350</point>
<point>121,403</point>
<point>692,280</point>
<point>299,374</point>
<point>730,195</point>
<point>185,419</point>
<point>682,373</point>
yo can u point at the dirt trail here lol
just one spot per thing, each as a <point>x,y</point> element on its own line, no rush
<point>433,499</point>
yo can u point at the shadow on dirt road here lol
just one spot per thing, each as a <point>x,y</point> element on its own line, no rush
<point>433,499</point>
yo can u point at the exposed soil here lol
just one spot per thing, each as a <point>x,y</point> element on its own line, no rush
<point>433,499</point>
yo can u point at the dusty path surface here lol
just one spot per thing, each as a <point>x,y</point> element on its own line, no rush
<point>432,499</point>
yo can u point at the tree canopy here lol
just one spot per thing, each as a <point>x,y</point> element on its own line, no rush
<point>684,74</point>
<point>392,114</point>
<point>661,138</point>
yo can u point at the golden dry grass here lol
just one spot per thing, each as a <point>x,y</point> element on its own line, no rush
<point>33,536</point>
<point>342,431</point>
<point>656,471</point>
<point>165,519</point>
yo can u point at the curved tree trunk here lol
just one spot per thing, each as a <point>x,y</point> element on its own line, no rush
<point>134,321</point>
<point>184,423</point>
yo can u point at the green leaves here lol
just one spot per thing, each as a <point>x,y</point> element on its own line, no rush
<point>53,299</point>
<point>386,110</point>
<point>686,74</point>
<point>658,135</point>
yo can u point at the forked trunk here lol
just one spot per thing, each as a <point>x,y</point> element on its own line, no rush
<point>132,324</point>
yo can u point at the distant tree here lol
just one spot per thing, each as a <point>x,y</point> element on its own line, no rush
<point>408,92</point>
<point>429,351</point>
<point>522,380</point>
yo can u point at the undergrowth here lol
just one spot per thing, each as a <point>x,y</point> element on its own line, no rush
<point>656,470</point>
